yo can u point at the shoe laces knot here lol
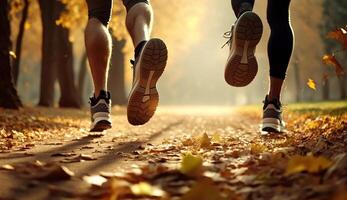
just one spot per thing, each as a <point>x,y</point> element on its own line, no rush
<point>228,35</point>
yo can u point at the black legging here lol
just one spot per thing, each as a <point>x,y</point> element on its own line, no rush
<point>280,44</point>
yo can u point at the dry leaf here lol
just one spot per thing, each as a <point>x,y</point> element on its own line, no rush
<point>146,189</point>
<point>216,138</point>
<point>311,84</point>
<point>116,187</point>
<point>52,172</point>
<point>257,148</point>
<point>191,165</point>
<point>205,141</point>
<point>6,167</point>
<point>94,180</point>
<point>308,163</point>
<point>203,190</point>
<point>332,61</point>
<point>339,34</point>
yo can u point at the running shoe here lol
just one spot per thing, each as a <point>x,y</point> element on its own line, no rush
<point>148,67</point>
<point>100,109</point>
<point>242,67</point>
<point>272,116</point>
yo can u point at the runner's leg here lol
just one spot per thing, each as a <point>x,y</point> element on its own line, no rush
<point>149,63</point>
<point>98,47</point>
<point>280,44</point>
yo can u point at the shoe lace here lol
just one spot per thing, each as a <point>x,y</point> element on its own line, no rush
<point>228,35</point>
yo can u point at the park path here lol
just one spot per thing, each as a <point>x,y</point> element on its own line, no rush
<point>121,148</point>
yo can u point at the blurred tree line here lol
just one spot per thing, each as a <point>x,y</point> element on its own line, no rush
<point>334,16</point>
<point>58,27</point>
<point>57,63</point>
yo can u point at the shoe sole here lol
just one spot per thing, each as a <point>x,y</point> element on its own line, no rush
<point>242,66</point>
<point>272,125</point>
<point>101,126</point>
<point>144,97</point>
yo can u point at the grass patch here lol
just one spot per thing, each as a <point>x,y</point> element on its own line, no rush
<point>315,108</point>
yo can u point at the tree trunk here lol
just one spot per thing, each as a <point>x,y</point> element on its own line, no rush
<point>48,71</point>
<point>82,77</point>
<point>325,89</point>
<point>57,58</point>
<point>64,60</point>
<point>8,93</point>
<point>342,87</point>
<point>116,83</point>
<point>297,79</point>
<point>20,36</point>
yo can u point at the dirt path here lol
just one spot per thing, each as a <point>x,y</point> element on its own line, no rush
<point>238,151</point>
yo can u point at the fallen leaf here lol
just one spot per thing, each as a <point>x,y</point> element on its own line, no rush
<point>146,189</point>
<point>116,187</point>
<point>94,180</point>
<point>51,172</point>
<point>307,163</point>
<point>79,158</point>
<point>216,138</point>
<point>311,84</point>
<point>205,141</point>
<point>6,167</point>
<point>63,154</point>
<point>87,157</point>
<point>191,165</point>
<point>257,148</point>
<point>203,190</point>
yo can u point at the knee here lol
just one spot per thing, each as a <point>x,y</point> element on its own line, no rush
<point>141,11</point>
<point>101,11</point>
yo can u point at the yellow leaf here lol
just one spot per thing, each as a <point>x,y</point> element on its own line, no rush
<point>203,190</point>
<point>27,26</point>
<point>258,148</point>
<point>311,84</point>
<point>205,141</point>
<point>146,189</point>
<point>13,55</point>
<point>308,163</point>
<point>216,138</point>
<point>191,165</point>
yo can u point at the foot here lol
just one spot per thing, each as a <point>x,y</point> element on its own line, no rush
<point>148,67</point>
<point>242,67</point>
<point>100,108</point>
<point>272,119</point>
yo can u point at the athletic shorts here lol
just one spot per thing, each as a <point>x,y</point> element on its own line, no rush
<point>102,9</point>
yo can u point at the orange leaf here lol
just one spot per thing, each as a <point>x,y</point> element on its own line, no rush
<point>311,84</point>
<point>339,34</point>
<point>332,61</point>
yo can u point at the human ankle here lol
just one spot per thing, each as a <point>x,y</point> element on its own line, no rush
<point>139,48</point>
<point>244,8</point>
<point>272,97</point>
